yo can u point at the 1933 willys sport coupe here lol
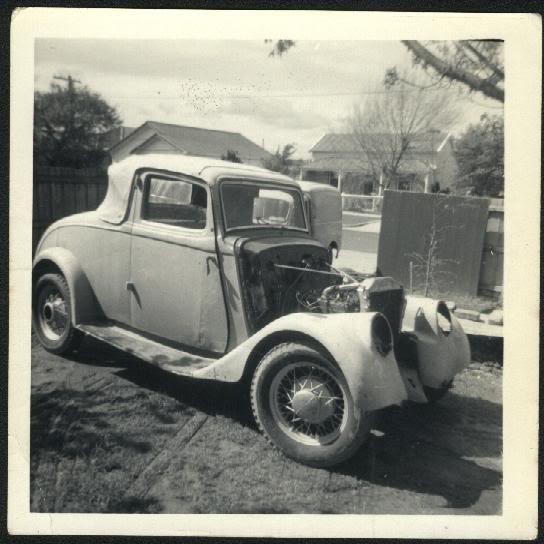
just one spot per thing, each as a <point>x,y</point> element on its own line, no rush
<point>209,269</point>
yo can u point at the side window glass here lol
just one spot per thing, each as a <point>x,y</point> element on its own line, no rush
<point>175,202</point>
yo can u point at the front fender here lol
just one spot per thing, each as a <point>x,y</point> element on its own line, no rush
<point>440,356</point>
<point>374,380</point>
<point>84,306</point>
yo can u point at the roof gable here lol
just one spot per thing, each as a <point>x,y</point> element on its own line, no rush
<point>156,144</point>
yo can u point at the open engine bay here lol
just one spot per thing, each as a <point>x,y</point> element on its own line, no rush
<point>279,280</point>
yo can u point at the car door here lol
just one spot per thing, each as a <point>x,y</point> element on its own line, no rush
<point>174,275</point>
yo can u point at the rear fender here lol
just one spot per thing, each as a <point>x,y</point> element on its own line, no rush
<point>374,380</point>
<point>440,356</point>
<point>84,305</point>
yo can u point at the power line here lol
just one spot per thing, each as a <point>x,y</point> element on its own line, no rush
<point>250,97</point>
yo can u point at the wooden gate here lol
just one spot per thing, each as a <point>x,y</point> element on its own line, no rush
<point>441,235</point>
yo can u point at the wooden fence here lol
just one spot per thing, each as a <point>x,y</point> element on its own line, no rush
<point>491,270</point>
<point>362,203</point>
<point>59,192</point>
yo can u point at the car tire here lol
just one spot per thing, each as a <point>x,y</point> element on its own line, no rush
<point>52,315</point>
<point>436,394</point>
<point>302,404</point>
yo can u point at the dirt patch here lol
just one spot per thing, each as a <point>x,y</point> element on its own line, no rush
<point>111,434</point>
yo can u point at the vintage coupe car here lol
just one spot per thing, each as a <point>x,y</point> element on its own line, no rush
<point>208,269</point>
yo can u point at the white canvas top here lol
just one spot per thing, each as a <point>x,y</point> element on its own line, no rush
<point>120,175</point>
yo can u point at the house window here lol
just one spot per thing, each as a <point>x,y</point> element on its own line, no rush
<point>175,202</point>
<point>404,185</point>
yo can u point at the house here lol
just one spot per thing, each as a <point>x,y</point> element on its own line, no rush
<point>337,159</point>
<point>154,137</point>
<point>115,135</point>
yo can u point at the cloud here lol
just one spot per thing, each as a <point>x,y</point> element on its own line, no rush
<point>276,112</point>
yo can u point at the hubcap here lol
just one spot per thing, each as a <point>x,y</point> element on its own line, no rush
<point>309,403</point>
<point>53,315</point>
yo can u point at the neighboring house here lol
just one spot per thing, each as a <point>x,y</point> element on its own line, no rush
<point>115,135</point>
<point>153,137</point>
<point>337,159</point>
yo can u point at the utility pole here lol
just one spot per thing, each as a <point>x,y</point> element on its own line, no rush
<point>71,99</point>
<point>70,80</point>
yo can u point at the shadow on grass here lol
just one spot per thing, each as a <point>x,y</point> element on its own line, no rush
<point>70,423</point>
<point>207,396</point>
<point>424,449</point>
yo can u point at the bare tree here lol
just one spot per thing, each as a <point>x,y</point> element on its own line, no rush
<point>433,273</point>
<point>429,264</point>
<point>391,120</point>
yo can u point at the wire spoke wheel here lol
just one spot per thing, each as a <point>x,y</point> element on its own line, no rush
<point>302,403</point>
<point>308,403</point>
<point>53,314</point>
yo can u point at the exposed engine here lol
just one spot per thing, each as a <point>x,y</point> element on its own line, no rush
<point>281,279</point>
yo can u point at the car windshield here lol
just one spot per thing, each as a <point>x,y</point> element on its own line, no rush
<point>251,205</point>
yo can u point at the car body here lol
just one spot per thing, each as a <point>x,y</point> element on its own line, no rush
<point>324,211</point>
<point>210,270</point>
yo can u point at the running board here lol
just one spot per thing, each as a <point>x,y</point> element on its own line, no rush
<point>165,357</point>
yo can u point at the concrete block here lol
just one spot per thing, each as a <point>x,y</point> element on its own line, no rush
<point>495,318</point>
<point>467,314</point>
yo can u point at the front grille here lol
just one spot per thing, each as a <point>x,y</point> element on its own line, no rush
<point>390,303</point>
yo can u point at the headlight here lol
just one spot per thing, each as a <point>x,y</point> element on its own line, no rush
<point>443,318</point>
<point>381,335</point>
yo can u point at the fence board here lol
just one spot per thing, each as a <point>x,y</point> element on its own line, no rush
<point>491,274</point>
<point>58,201</point>
<point>409,221</point>
<point>59,192</point>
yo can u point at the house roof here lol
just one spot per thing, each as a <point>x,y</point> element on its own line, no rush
<point>204,142</point>
<point>334,164</point>
<point>115,135</point>
<point>337,164</point>
<point>346,143</point>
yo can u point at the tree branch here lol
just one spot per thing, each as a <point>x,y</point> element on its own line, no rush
<point>456,73</point>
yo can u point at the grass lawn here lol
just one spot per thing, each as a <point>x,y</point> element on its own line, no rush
<point>111,434</point>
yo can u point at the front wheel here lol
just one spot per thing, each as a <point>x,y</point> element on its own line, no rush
<point>303,405</point>
<point>434,395</point>
<point>52,315</point>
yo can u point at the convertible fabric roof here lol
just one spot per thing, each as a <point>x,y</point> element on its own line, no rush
<point>120,175</point>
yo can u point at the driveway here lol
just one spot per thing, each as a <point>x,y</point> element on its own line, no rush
<point>360,237</point>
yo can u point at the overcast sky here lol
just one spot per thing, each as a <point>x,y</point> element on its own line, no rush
<point>233,85</point>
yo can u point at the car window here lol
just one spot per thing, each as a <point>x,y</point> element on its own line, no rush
<point>175,202</point>
<point>248,205</point>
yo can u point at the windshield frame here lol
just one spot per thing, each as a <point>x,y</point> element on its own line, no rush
<point>267,184</point>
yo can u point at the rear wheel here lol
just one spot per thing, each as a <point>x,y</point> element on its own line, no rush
<point>52,315</point>
<point>303,405</point>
